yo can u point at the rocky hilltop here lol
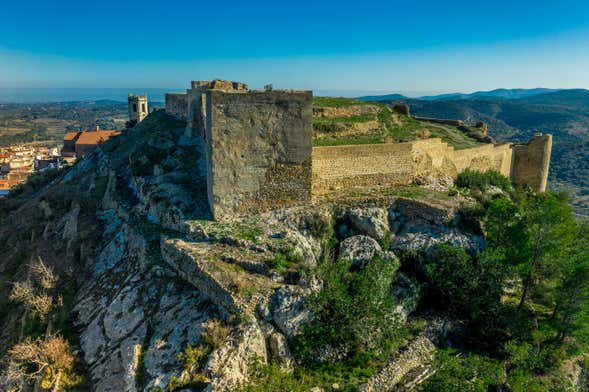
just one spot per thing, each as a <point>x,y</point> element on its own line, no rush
<point>119,258</point>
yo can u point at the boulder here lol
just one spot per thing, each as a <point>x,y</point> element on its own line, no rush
<point>370,221</point>
<point>436,183</point>
<point>422,212</point>
<point>359,248</point>
<point>280,351</point>
<point>228,366</point>
<point>288,311</point>
<point>426,239</point>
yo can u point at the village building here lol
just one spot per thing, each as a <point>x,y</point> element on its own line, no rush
<point>78,144</point>
<point>17,163</point>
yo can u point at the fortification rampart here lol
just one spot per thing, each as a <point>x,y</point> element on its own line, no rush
<point>531,162</point>
<point>341,167</point>
<point>444,121</point>
<point>258,147</point>
<point>259,151</point>
<point>177,104</point>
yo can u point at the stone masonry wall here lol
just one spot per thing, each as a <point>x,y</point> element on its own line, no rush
<point>259,151</point>
<point>531,162</point>
<point>177,104</point>
<point>196,112</point>
<point>197,106</point>
<point>259,146</point>
<point>341,167</point>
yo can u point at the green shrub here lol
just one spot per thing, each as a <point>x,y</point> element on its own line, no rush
<point>468,288</point>
<point>464,372</point>
<point>473,179</point>
<point>329,377</point>
<point>471,217</point>
<point>279,262</point>
<point>354,310</point>
<point>194,358</point>
<point>451,278</point>
<point>285,259</point>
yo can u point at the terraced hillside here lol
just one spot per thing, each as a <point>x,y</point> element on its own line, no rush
<point>340,121</point>
<point>46,123</point>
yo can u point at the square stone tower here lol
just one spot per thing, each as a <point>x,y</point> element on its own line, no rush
<point>258,149</point>
<point>196,102</point>
<point>137,107</point>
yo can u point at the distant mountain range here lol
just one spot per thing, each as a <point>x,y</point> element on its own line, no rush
<point>515,115</point>
<point>380,98</point>
<point>515,93</point>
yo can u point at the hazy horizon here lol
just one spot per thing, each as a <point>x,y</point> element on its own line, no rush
<point>79,94</point>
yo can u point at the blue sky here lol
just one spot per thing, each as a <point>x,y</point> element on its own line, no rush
<point>329,46</point>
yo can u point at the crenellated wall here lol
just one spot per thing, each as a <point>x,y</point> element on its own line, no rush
<point>372,165</point>
<point>531,162</point>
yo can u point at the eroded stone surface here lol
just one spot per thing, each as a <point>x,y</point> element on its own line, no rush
<point>372,222</point>
<point>359,249</point>
<point>417,353</point>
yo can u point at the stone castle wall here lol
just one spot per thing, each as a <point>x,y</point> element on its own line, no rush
<point>258,148</point>
<point>259,151</point>
<point>531,162</point>
<point>341,167</point>
<point>177,104</point>
<point>197,106</point>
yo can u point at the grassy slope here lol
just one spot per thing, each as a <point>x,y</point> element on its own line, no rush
<point>392,127</point>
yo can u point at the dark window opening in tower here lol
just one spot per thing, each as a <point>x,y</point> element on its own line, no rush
<point>143,107</point>
<point>135,107</point>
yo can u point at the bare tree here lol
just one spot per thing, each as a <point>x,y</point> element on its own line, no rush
<point>44,275</point>
<point>25,293</point>
<point>40,358</point>
<point>36,292</point>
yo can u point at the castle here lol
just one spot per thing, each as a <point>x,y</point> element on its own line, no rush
<point>259,151</point>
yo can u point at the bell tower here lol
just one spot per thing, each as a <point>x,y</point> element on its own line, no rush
<point>137,107</point>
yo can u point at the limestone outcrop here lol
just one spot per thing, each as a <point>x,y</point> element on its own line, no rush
<point>156,295</point>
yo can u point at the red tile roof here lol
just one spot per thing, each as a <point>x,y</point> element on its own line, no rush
<point>96,137</point>
<point>70,136</point>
